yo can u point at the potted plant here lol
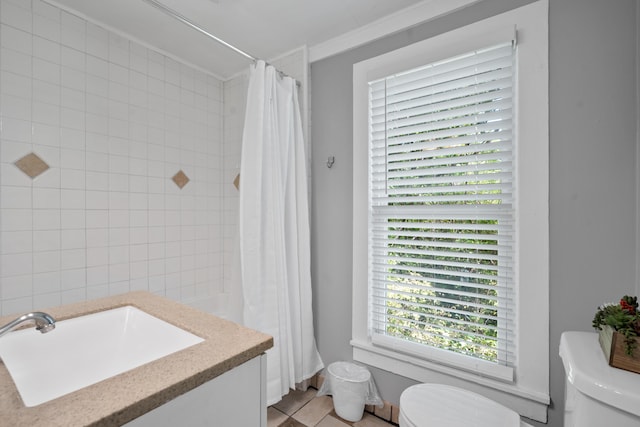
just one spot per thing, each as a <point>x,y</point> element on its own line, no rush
<point>619,329</point>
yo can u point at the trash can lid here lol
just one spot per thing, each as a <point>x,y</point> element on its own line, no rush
<point>348,371</point>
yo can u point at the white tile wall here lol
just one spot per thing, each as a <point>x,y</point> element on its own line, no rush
<point>114,121</point>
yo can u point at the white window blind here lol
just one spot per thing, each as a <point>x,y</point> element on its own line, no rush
<point>441,219</point>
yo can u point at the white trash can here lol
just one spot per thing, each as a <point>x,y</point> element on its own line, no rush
<point>349,385</point>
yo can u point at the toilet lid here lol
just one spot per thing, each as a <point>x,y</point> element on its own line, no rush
<point>446,406</point>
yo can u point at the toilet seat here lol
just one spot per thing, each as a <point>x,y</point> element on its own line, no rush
<point>440,405</point>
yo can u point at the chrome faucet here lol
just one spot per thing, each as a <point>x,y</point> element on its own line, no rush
<point>44,322</point>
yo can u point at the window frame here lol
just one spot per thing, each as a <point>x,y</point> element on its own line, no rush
<point>493,60</point>
<point>529,392</point>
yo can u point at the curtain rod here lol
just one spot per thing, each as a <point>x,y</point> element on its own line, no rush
<point>184,20</point>
<point>196,27</point>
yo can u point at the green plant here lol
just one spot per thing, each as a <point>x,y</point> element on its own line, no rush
<point>623,318</point>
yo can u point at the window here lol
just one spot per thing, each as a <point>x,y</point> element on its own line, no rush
<point>450,227</point>
<point>441,215</point>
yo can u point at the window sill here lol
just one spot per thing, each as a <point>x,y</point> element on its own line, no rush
<point>528,403</point>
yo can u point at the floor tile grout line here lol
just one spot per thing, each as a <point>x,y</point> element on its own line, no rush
<point>292,422</point>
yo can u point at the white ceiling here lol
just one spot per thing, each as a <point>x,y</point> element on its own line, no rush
<point>263,28</point>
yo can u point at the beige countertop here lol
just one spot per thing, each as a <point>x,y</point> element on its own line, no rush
<point>122,398</point>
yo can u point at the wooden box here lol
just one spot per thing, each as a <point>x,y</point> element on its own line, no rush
<point>613,346</point>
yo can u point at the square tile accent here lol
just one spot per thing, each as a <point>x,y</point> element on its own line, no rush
<point>32,165</point>
<point>180,179</point>
<point>236,182</point>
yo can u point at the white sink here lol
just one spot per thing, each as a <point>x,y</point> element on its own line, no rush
<point>86,350</point>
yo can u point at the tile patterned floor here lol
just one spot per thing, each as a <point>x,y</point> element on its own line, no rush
<point>304,409</point>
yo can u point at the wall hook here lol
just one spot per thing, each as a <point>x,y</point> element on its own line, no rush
<point>330,161</point>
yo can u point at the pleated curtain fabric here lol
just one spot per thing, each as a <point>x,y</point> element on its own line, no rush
<point>274,230</point>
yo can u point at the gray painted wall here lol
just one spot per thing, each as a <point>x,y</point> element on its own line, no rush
<point>592,172</point>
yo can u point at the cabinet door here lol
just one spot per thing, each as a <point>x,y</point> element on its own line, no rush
<point>234,399</point>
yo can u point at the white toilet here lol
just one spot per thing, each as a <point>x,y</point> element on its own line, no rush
<point>426,405</point>
<point>595,393</point>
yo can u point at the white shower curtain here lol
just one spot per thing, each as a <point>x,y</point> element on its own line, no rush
<point>274,230</point>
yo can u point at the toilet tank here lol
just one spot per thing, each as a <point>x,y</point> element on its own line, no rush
<point>595,393</point>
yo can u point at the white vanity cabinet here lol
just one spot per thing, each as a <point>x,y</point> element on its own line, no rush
<point>221,381</point>
<point>236,398</point>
